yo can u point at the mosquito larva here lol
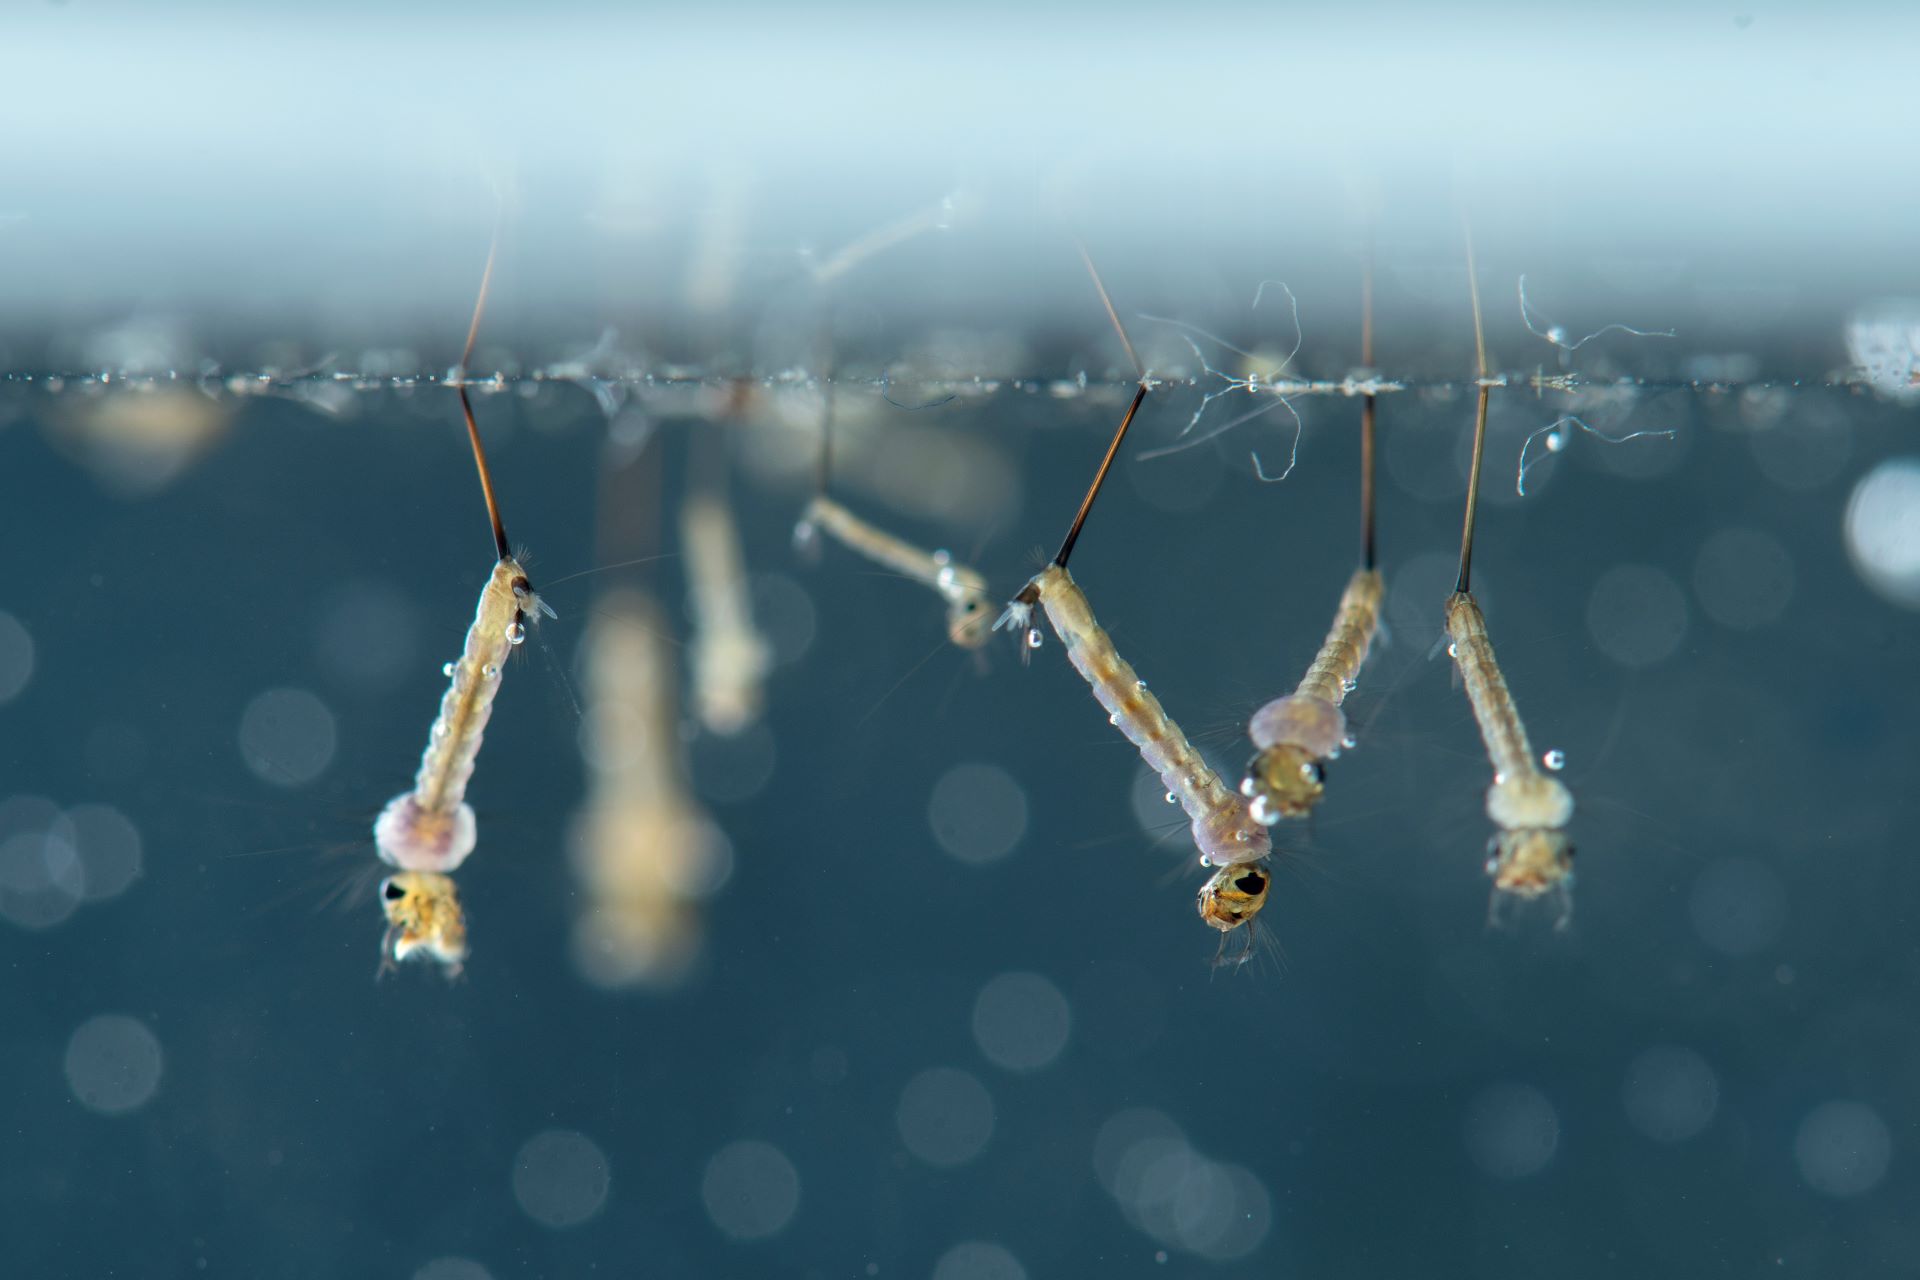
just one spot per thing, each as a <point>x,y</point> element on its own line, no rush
<point>1530,855</point>
<point>1295,735</point>
<point>964,590</point>
<point>429,831</point>
<point>1224,832</point>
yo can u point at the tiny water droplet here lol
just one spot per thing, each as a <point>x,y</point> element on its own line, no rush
<point>516,631</point>
<point>1556,441</point>
<point>1452,651</point>
<point>1248,787</point>
<point>1172,798</point>
<point>1349,684</point>
<point>1499,779</point>
<point>1555,760</point>
<point>1349,742</point>
<point>1113,717</point>
<point>449,669</point>
<point>1139,684</point>
<point>489,672</point>
<point>1034,638</point>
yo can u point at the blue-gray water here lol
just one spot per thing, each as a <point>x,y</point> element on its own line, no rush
<point>1709,1073</point>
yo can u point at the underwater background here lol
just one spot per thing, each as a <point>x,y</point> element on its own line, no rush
<point>921,990</point>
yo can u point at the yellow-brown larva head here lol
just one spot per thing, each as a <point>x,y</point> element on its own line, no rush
<point>423,918</point>
<point>1233,896</point>
<point>970,621</point>
<point>1284,781</point>
<point>1531,861</point>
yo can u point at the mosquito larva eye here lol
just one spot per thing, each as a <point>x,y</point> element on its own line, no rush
<point>1252,882</point>
<point>391,891</point>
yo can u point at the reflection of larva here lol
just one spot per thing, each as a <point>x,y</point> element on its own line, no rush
<point>1226,834</point>
<point>429,831</point>
<point>1295,734</point>
<point>643,849</point>
<point>1531,856</point>
<point>730,657</point>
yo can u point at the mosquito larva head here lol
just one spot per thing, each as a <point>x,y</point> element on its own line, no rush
<point>1283,781</point>
<point>970,622</point>
<point>423,918</point>
<point>1530,862</point>
<point>1233,896</point>
<point>528,602</point>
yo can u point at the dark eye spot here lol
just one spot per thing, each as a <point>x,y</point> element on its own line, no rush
<point>391,891</point>
<point>1319,773</point>
<point>521,587</point>
<point>1252,882</point>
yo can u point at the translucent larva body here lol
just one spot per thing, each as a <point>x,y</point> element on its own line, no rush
<point>969,615</point>
<point>431,828</point>
<point>1531,853</point>
<point>1223,830</point>
<point>1295,734</point>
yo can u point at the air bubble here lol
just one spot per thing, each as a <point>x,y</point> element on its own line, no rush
<point>1263,811</point>
<point>1555,760</point>
<point>516,631</point>
<point>1113,717</point>
<point>1556,440</point>
<point>489,672</point>
<point>1453,650</point>
<point>1349,742</point>
<point>1172,798</point>
<point>1034,638</point>
<point>448,669</point>
<point>1139,684</point>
